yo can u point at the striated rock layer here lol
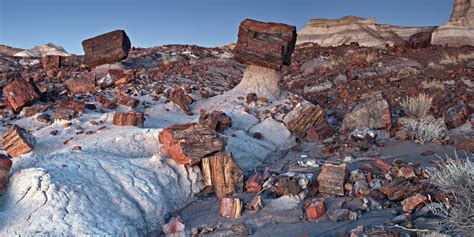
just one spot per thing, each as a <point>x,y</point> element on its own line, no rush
<point>348,29</point>
<point>459,30</point>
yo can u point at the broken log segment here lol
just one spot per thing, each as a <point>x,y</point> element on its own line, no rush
<point>231,208</point>
<point>20,93</point>
<point>188,143</point>
<point>332,179</point>
<point>17,141</point>
<point>107,48</point>
<point>182,100</point>
<point>128,119</point>
<point>217,120</point>
<point>227,177</point>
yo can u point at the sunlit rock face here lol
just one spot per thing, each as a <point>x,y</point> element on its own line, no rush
<point>349,29</point>
<point>459,30</point>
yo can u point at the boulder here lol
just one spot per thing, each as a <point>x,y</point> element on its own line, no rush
<point>459,30</point>
<point>21,93</point>
<point>107,48</point>
<point>372,112</point>
<point>265,44</point>
<point>50,62</point>
<point>420,40</point>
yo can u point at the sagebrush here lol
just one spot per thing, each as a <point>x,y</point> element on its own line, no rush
<point>425,129</point>
<point>417,106</point>
<point>456,178</point>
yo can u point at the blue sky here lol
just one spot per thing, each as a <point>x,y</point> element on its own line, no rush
<point>27,23</point>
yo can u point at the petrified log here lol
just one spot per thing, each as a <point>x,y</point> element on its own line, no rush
<point>332,179</point>
<point>17,141</point>
<point>127,101</point>
<point>5,166</point>
<point>227,177</point>
<point>21,93</point>
<point>265,44</point>
<point>287,186</point>
<point>105,102</point>
<point>107,48</point>
<point>231,208</point>
<point>456,115</point>
<point>77,106</point>
<point>189,143</point>
<point>51,62</point>
<point>64,114</point>
<point>129,119</point>
<point>254,183</point>
<point>307,118</point>
<point>420,40</point>
<point>319,132</point>
<point>315,208</point>
<point>182,100</point>
<point>217,120</point>
<point>85,84</point>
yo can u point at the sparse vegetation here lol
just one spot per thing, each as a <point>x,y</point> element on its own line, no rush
<point>408,72</point>
<point>417,106</point>
<point>433,84</point>
<point>456,178</point>
<point>425,129</point>
<point>460,58</point>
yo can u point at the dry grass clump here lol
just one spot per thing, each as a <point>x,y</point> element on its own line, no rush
<point>417,106</point>
<point>425,129</point>
<point>433,65</point>
<point>433,84</point>
<point>460,58</point>
<point>455,177</point>
<point>408,72</point>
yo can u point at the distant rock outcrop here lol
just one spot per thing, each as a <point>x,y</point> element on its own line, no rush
<point>365,31</point>
<point>7,50</point>
<point>43,50</point>
<point>459,30</point>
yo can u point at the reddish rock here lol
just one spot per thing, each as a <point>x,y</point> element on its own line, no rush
<point>420,40</point>
<point>227,177</point>
<point>105,102</point>
<point>17,141</point>
<point>217,120</point>
<point>51,62</point>
<point>308,117</point>
<point>265,44</point>
<point>465,145</point>
<point>254,183</point>
<point>107,48</point>
<point>182,100</point>
<point>64,114</point>
<point>315,208</point>
<point>84,84</point>
<point>397,189</point>
<point>128,119</point>
<point>406,172</point>
<point>174,227</point>
<point>5,166</point>
<point>339,215</point>
<point>77,106</point>
<point>332,179</point>
<point>372,112</point>
<point>382,165</point>
<point>319,132</point>
<point>256,203</point>
<point>409,204</point>
<point>127,101</point>
<point>189,143</point>
<point>21,93</point>
<point>287,186</point>
<point>456,116</point>
<point>251,97</point>
<point>231,208</point>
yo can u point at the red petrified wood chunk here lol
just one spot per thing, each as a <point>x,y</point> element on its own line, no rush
<point>265,44</point>
<point>315,208</point>
<point>174,227</point>
<point>129,119</point>
<point>84,84</point>
<point>21,93</point>
<point>456,116</point>
<point>332,179</point>
<point>5,166</point>
<point>17,141</point>
<point>77,106</point>
<point>217,120</point>
<point>231,208</point>
<point>107,48</point>
<point>227,177</point>
<point>182,100</point>
<point>409,204</point>
<point>254,183</point>
<point>382,165</point>
<point>189,143</point>
<point>105,102</point>
<point>308,117</point>
<point>50,62</point>
<point>127,101</point>
<point>397,189</point>
<point>319,132</point>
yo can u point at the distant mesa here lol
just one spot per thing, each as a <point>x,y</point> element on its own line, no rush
<point>43,50</point>
<point>349,29</point>
<point>9,51</point>
<point>459,30</point>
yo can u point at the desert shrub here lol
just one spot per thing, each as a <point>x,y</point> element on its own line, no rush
<point>455,177</point>
<point>450,60</point>
<point>433,84</point>
<point>408,72</point>
<point>433,65</point>
<point>425,129</point>
<point>417,106</point>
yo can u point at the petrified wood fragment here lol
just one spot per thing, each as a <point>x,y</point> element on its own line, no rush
<point>332,179</point>
<point>17,141</point>
<point>129,119</point>
<point>21,93</point>
<point>227,177</point>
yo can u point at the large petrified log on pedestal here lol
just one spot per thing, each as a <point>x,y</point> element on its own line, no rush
<point>265,44</point>
<point>107,48</point>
